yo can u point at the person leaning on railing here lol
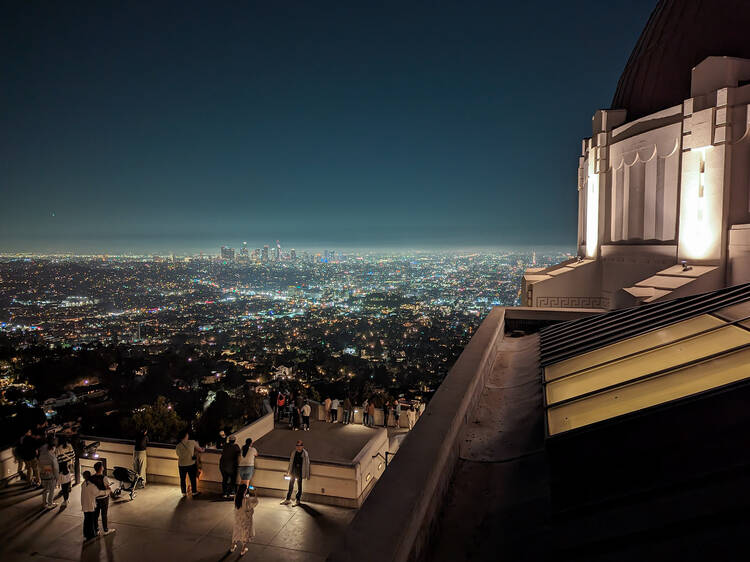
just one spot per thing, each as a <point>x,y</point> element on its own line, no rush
<point>187,461</point>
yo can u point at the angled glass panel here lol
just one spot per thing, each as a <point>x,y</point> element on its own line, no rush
<point>662,336</point>
<point>735,312</point>
<point>666,357</point>
<point>673,385</point>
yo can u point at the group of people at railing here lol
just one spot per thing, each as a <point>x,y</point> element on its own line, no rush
<point>48,462</point>
<point>297,410</point>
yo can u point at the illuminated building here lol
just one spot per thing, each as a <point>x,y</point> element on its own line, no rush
<point>277,251</point>
<point>664,178</point>
<point>264,255</point>
<point>227,254</point>
<point>293,254</point>
<point>244,256</point>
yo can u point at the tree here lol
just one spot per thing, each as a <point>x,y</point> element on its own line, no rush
<point>159,418</point>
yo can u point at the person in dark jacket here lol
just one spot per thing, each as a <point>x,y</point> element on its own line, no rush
<point>228,466</point>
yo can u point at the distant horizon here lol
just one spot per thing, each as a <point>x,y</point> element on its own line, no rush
<point>214,251</point>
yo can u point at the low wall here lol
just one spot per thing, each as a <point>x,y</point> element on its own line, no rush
<point>8,466</point>
<point>417,477</point>
<point>335,484</point>
<point>255,430</point>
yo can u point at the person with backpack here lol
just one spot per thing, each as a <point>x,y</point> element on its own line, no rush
<point>187,462</point>
<point>49,472</point>
<point>243,529</point>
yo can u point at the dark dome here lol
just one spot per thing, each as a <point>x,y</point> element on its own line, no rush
<point>680,34</point>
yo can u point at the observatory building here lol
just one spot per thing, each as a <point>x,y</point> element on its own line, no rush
<point>664,179</point>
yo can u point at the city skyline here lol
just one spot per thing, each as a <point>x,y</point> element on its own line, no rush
<point>419,130</point>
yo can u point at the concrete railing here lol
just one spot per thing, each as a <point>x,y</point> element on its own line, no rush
<point>336,484</point>
<point>417,478</point>
<point>8,466</point>
<point>255,430</point>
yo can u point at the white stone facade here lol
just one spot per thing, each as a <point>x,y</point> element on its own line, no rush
<point>669,187</point>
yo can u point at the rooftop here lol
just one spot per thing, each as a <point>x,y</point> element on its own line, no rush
<point>333,443</point>
<point>159,524</point>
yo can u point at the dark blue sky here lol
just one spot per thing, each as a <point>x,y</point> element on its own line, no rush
<point>128,126</point>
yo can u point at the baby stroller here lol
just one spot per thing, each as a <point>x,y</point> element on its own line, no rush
<point>129,481</point>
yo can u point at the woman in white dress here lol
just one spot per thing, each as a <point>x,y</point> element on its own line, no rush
<point>245,502</point>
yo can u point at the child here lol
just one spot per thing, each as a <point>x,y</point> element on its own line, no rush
<point>65,478</point>
<point>244,508</point>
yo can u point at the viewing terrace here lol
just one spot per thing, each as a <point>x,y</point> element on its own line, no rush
<point>160,524</point>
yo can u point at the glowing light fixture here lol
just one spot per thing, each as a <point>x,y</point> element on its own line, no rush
<point>592,215</point>
<point>698,236</point>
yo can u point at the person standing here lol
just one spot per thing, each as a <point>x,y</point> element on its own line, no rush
<point>49,471</point>
<point>65,479</point>
<point>88,506</point>
<point>65,452</point>
<point>306,416</point>
<point>140,456</point>
<point>335,410</point>
<point>347,410</point>
<point>247,461</point>
<point>386,406</point>
<point>29,455</point>
<point>396,412</point>
<point>229,465</point>
<point>280,401</point>
<point>243,530</point>
<point>371,413</point>
<point>327,408</point>
<point>298,470</point>
<point>411,417</point>
<point>187,462</point>
<point>296,416</point>
<point>365,412</point>
<point>103,489</point>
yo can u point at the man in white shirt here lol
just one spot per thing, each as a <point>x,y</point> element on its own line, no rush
<point>334,410</point>
<point>306,416</point>
<point>88,506</point>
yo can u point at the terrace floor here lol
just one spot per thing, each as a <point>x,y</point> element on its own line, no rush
<point>325,442</point>
<point>159,524</point>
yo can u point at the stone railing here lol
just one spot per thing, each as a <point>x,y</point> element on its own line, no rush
<point>8,466</point>
<point>331,483</point>
<point>417,477</point>
<point>255,430</point>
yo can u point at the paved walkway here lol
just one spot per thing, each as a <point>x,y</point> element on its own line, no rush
<point>159,524</point>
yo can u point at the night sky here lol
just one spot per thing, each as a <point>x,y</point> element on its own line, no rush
<point>183,126</point>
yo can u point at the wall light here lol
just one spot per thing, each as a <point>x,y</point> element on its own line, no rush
<point>697,237</point>
<point>592,215</point>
